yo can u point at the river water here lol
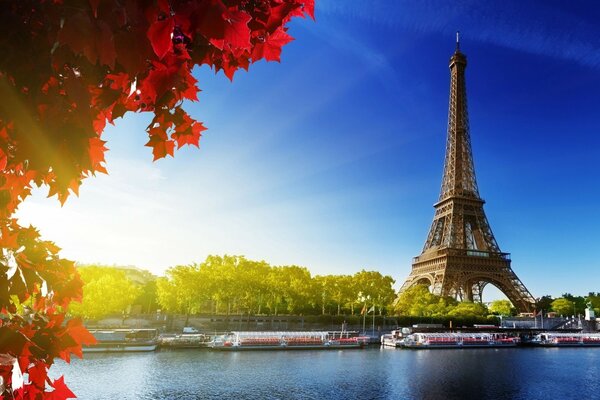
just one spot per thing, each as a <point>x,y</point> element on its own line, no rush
<point>373,373</point>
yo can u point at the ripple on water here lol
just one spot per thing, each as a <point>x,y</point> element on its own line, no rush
<point>501,374</point>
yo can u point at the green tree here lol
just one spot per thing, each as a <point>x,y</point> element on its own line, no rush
<point>467,309</point>
<point>322,292</point>
<point>222,281</point>
<point>182,290</point>
<point>147,297</point>
<point>298,288</point>
<point>418,301</point>
<point>252,285</point>
<point>374,289</point>
<point>578,301</point>
<point>563,306</point>
<point>501,307</point>
<point>544,303</point>
<point>106,291</point>
<point>341,290</point>
<point>275,289</point>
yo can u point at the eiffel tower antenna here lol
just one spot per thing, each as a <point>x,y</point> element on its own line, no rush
<point>457,40</point>
<point>461,255</point>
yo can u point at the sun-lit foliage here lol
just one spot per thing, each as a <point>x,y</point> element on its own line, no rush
<point>106,291</point>
<point>234,284</point>
<point>501,307</point>
<point>418,301</point>
<point>468,309</point>
<point>563,306</point>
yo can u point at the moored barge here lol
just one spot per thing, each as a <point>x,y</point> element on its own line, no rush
<point>458,340</point>
<point>559,339</point>
<point>392,339</point>
<point>321,340</point>
<point>185,341</point>
<point>123,340</point>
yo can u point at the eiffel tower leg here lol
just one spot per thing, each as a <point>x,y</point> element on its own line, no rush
<point>452,286</point>
<point>477,291</point>
<point>469,292</point>
<point>438,285</point>
<point>516,292</point>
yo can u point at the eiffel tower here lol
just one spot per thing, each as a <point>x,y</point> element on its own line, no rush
<point>461,256</point>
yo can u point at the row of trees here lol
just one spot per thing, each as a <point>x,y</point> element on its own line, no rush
<point>231,285</point>
<point>568,304</point>
<point>418,301</point>
<point>236,285</point>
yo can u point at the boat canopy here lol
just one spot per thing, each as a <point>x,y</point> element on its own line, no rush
<point>278,335</point>
<point>457,335</point>
<point>123,334</point>
<point>569,334</point>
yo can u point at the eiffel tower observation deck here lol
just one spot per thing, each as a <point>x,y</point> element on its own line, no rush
<point>461,255</point>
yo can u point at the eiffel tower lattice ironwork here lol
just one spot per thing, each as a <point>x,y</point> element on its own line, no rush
<point>461,256</point>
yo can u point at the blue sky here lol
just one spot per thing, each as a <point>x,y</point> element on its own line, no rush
<point>333,158</point>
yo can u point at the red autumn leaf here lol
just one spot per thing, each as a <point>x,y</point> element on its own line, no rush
<point>210,22</point>
<point>79,333</point>
<point>96,152</point>
<point>4,159</point>
<point>188,133</point>
<point>61,391</point>
<point>37,374</point>
<point>236,31</point>
<point>158,82</point>
<point>279,14</point>
<point>191,92</point>
<point>160,34</point>
<point>161,147</point>
<point>271,48</point>
<point>105,45</point>
<point>133,61</point>
<point>77,33</point>
<point>8,238</point>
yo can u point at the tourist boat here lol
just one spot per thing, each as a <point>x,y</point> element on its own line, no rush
<point>123,340</point>
<point>284,341</point>
<point>393,339</point>
<point>185,341</point>
<point>459,340</point>
<point>559,339</point>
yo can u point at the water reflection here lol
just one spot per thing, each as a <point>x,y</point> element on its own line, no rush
<point>351,374</point>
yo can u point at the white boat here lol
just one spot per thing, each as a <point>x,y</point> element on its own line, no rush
<point>284,341</point>
<point>392,339</point>
<point>559,339</point>
<point>123,340</point>
<point>459,340</point>
<point>185,340</point>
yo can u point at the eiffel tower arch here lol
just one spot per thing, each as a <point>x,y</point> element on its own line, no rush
<point>461,255</point>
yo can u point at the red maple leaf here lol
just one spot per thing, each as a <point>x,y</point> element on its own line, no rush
<point>105,45</point>
<point>161,147</point>
<point>160,34</point>
<point>79,333</point>
<point>61,391</point>
<point>271,48</point>
<point>237,32</point>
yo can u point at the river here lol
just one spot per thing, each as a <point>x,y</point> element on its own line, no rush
<point>373,373</point>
